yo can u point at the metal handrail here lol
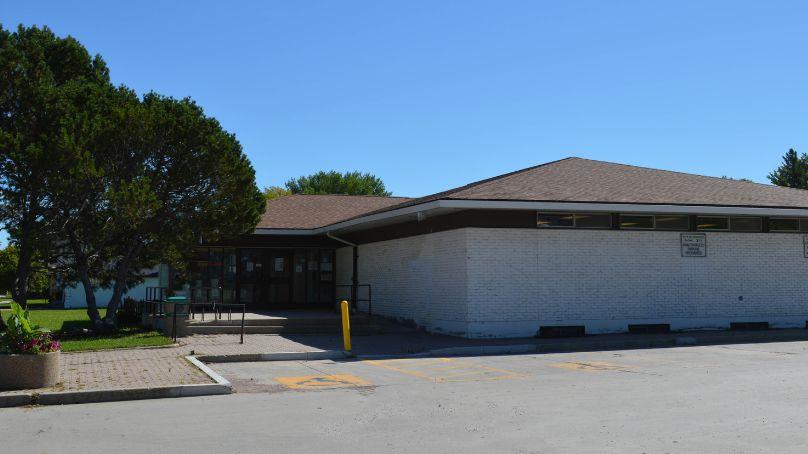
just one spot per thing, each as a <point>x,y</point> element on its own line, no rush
<point>155,293</point>
<point>218,310</point>
<point>192,313</point>
<point>355,298</point>
<point>208,301</point>
<point>156,309</point>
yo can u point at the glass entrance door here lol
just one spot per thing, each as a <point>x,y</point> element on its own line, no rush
<point>299,279</point>
<point>278,282</point>
<point>267,279</point>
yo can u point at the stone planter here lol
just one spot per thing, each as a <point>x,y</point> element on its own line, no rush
<point>29,371</point>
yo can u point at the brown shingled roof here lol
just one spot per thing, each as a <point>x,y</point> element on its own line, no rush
<point>566,180</point>
<point>300,211</point>
<point>585,180</point>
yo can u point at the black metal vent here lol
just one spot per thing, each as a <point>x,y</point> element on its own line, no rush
<point>745,326</point>
<point>649,328</point>
<point>562,331</point>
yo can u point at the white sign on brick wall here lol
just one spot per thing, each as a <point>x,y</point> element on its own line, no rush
<point>694,245</point>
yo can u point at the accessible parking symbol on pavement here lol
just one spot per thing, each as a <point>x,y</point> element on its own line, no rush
<point>322,382</point>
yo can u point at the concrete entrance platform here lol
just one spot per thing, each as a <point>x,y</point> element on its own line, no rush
<point>280,322</point>
<point>278,315</point>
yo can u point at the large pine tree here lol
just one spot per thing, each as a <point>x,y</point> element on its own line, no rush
<point>34,65</point>
<point>793,172</point>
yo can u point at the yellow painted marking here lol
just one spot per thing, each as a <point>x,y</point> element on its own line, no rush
<point>322,381</point>
<point>594,366</point>
<point>442,370</point>
<point>398,369</point>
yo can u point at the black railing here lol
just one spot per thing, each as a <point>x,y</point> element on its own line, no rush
<point>155,308</point>
<point>355,299</point>
<point>155,293</point>
<point>218,312</point>
<point>204,297</point>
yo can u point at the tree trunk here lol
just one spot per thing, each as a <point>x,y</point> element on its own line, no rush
<point>83,268</point>
<point>89,295</point>
<point>19,291</point>
<point>121,273</point>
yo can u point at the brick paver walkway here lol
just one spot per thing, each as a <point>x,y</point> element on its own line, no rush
<point>135,368</point>
<point>228,344</point>
<point>164,366</point>
<point>124,369</point>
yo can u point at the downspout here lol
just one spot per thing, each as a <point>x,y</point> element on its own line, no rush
<point>355,274</point>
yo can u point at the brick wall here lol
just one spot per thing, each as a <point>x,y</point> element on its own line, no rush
<point>520,279</point>
<point>507,282</point>
<point>420,278</point>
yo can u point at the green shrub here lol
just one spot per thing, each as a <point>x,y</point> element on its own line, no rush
<point>22,336</point>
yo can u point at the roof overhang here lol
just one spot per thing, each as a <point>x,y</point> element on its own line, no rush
<point>443,206</point>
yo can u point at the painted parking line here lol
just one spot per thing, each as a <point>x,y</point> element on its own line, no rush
<point>593,366</point>
<point>442,370</point>
<point>322,381</point>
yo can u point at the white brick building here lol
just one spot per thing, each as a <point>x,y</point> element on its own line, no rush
<point>480,282</point>
<point>567,247</point>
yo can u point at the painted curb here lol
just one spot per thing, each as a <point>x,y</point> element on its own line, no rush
<point>117,395</point>
<point>15,400</point>
<point>209,372</point>
<point>483,350</point>
<point>277,356</point>
<point>476,350</point>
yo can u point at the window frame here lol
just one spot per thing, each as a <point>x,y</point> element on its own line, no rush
<point>685,228</point>
<point>790,218</point>
<point>608,215</point>
<point>557,213</point>
<point>732,222</point>
<point>574,216</point>
<point>728,229</point>
<point>652,216</point>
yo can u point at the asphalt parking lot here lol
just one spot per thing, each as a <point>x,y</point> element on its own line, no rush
<point>731,398</point>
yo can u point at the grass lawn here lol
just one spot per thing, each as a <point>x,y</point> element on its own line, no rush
<point>125,338</point>
<point>64,321</point>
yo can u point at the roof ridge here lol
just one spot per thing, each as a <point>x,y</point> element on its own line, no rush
<point>446,193</point>
<point>358,195</point>
<point>678,172</point>
<point>488,180</point>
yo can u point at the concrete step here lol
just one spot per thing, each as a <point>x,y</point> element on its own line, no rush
<point>295,329</point>
<point>236,321</point>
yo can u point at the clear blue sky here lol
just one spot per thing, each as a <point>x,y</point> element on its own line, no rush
<point>434,94</point>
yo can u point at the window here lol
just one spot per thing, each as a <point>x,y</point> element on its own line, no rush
<point>579,220</point>
<point>593,221</point>
<point>672,222</point>
<point>784,224</point>
<point>712,223</point>
<point>804,225</point>
<point>555,220</point>
<point>746,224</point>
<point>633,221</point>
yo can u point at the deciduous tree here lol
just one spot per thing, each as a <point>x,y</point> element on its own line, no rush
<point>273,192</point>
<point>333,182</point>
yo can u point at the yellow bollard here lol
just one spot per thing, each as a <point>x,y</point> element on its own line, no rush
<point>346,326</point>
